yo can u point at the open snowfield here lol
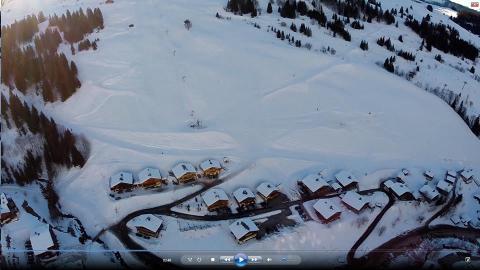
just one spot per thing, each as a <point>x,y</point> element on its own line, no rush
<point>278,112</point>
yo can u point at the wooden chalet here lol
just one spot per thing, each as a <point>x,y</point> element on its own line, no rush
<point>267,191</point>
<point>122,181</point>
<point>354,201</point>
<point>326,211</point>
<point>9,211</point>
<point>444,187</point>
<point>215,199</point>
<point>467,175</point>
<point>347,180</point>
<point>314,185</point>
<point>150,178</point>
<point>146,225</point>
<point>44,243</point>
<point>244,197</point>
<point>211,168</point>
<point>243,230</point>
<point>184,172</point>
<point>430,193</point>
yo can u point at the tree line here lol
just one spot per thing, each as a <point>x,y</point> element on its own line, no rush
<point>443,37</point>
<point>58,147</point>
<point>39,66</point>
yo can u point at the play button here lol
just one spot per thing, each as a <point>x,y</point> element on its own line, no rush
<point>241,259</point>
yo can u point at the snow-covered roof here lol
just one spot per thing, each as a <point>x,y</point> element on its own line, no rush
<point>314,182</point>
<point>242,194</point>
<point>148,173</point>
<point>429,192</point>
<point>455,219</point>
<point>335,185</point>
<point>242,227</point>
<point>401,176</point>
<point>400,188</point>
<point>266,188</point>
<point>467,174</point>
<point>41,239</point>
<point>183,168</point>
<point>147,221</point>
<point>452,173</point>
<point>4,204</point>
<point>429,173</point>
<point>445,186</point>
<point>209,164</point>
<point>214,195</point>
<point>326,208</point>
<point>388,183</point>
<point>355,200</point>
<point>121,177</point>
<point>465,218</point>
<point>345,178</point>
<point>450,179</point>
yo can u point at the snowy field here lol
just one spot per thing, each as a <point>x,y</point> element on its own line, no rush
<point>278,112</point>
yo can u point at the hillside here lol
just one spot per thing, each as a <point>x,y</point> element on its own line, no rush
<point>154,93</point>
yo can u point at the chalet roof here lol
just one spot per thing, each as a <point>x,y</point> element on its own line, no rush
<point>401,176</point>
<point>183,168</point>
<point>400,189</point>
<point>326,208</point>
<point>147,221</point>
<point>148,173</point>
<point>388,183</point>
<point>335,185</point>
<point>4,204</point>
<point>121,177</point>
<point>242,227</point>
<point>452,173</point>
<point>345,178</point>
<point>242,194</point>
<point>445,186</point>
<point>429,173</point>
<point>314,182</point>
<point>450,179</point>
<point>429,192</point>
<point>266,189</point>
<point>467,174</point>
<point>41,239</point>
<point>214,195</point>
<point>355,200</point>
<point>209,164</point>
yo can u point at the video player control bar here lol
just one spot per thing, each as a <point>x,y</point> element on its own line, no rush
<point>240,260</point>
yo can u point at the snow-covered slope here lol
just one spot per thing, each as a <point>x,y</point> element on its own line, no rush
<point>276,111</point>
<point>256,96</point>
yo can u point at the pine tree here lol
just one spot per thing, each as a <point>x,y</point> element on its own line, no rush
<point>269,8</point>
